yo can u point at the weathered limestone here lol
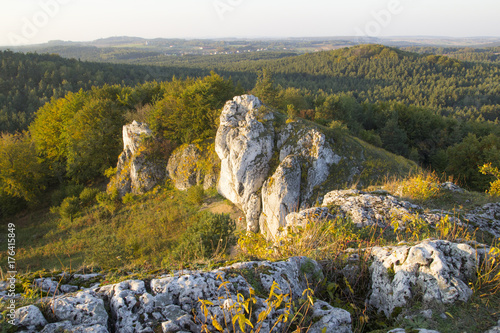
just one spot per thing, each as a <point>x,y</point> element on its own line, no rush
<point>84,308</point>
<point>280,195</point>
<point>366,209</point>
<point>135,173</point>
<point>189,166</point>
<point>245,146</point>
<point>312,146</point>
<point>29,317</point>
<point>332,319</point>
<point>437,270</point>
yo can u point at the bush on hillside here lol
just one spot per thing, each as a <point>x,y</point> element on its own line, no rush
<point>210,236</point>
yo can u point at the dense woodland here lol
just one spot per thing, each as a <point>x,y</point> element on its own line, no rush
<point>28,81</point>
<point>438,111</point>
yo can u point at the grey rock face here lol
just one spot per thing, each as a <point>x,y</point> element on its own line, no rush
<point>332,319</point>
<point>84,308</point>
<point>307,216</point>
<point>66,326</point>
<point>487,218</point>
<point>435,269</point>
<point>280,196</point>
<point>312,145</point>
<point>135,173</point>
<point>185,171</point>
<point>245,146</point>
<point>292,276</point>
<point>367,209</point>
<point>29,317</point>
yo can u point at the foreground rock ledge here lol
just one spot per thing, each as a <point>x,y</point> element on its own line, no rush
<point>170,303</point>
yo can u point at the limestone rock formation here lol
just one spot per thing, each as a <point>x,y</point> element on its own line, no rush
<point>437,270</point>
<point>245,146</point>
<point>172,302</point>
<point>487,218</point>
<point>306,216</point>
<point>313,147</point>
<point>366,209</point>
<point>280,195</point>
<point>135,173</point>
<point>190,166</point>
<point>333,319</point>
<point>29,317</point>
<point>247,141</point>
<point>84,308</point>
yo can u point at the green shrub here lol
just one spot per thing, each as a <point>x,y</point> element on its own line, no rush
<point>129,198</point>
<point>210,236</point>
<point>69,207</point>
<point>108,201</point>
<point>88,196</point>
<point>64,192</point>
<point>195,195</point>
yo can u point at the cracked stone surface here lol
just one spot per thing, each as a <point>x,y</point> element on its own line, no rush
<point>437,270</point>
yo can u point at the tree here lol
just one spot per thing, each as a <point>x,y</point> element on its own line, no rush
<point>21,171</point>
<point>465,158</point>
<point>264,88</point>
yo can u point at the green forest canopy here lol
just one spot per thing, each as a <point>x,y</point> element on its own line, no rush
<point>76,135</point>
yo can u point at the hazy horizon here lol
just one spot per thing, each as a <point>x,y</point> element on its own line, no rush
<point>36,22</point>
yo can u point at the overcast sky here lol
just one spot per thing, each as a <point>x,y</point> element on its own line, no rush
<point>38,21</point>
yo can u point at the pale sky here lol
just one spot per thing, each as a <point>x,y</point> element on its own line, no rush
<point>38,21</point>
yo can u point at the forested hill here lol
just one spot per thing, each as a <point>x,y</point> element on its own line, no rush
<point>377,73</point>
<point>369,73</point>
<point>28,81</point>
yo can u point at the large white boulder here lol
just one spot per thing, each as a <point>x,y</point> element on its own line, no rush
<point>244,143</point>
<point>366,209</point>
<point>436,270</point>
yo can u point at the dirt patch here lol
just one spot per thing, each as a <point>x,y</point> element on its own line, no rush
<point>223,207</point>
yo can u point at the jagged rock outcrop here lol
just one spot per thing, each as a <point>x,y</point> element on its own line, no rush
<point>313,147</point>
<point>135,173</point>
<point>436,270</point>
<point>172,302</point>
<point>191,165</point>
<point>245,146</point>
<point>366,209</point>
<point>486,218</point>
<point>246,142</point>
<point>280,195</point>
<point>85,308</point>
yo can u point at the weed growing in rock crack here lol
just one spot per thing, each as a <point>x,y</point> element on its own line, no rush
<point>238,311</point>
<point>488,273</point>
